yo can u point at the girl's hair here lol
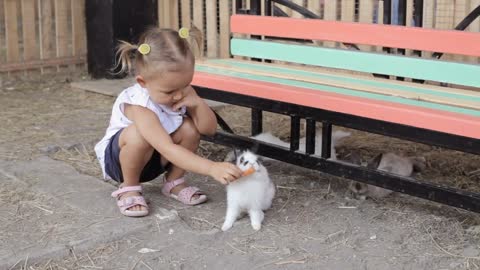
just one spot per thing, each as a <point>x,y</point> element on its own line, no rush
<point>167,50</point>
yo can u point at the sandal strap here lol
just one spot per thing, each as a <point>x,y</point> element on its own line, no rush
<point>128,202</point>
<point>122,190</point>
<point>185,195</point>
<point>169,185</point>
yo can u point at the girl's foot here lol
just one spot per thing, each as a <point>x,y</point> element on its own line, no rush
<point>130,201</point>
<point>178,190</point>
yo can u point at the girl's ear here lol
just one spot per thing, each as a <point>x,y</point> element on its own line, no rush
<point>140,80</point>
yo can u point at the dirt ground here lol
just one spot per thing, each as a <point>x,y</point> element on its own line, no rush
<point>313,223</point>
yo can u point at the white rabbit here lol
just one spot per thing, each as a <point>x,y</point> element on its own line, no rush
<point>388,162</point>
<point>252,193</point>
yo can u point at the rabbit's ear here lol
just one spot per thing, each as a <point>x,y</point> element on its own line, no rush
<point>373,164</point>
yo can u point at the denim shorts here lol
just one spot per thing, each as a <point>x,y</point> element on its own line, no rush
<point>152,169</point>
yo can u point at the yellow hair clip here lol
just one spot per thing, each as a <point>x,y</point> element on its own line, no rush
<point>184,32</point>
<point>144,49</point>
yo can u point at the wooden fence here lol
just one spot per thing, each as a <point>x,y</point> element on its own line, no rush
<point>42,34</point>
<point>212,17</point>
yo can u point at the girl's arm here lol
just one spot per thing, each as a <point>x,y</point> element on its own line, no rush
<point>198,110</point>
<point>151,129</point>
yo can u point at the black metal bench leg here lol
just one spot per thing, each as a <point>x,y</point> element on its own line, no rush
<point>310,136</point>
<point>257,122</point>
<point>294,132</point>
<point>326,139</point>
<point>222,123</point>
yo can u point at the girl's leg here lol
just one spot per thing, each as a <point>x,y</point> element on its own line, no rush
<point>187,136</point>
<point>135,152</point>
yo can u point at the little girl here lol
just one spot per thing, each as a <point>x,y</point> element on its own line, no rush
<point>156,124</point>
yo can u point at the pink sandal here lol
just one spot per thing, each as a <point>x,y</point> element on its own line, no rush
<point>185,195</point>
<point>125,203</point>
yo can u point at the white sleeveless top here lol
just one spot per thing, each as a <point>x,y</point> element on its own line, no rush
<point>136,95</point>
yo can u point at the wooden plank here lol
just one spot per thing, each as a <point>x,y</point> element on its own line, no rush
<point>30,50</point>
<point>198,21</point>
<point>164,14</point>
<point>11,30</point>
<point>310,71</point>
<point>300,3</point>
<point>386,35</point>
<point>224,28</point>
<point>409,20</point>
<point>379,88</point>
<point>474,27</point>
<point>330,13</point>
<point>314,6</point>
<point>459,14</point>
<point>441,71</point>
<point>79,46</point>
<point>61,29</point>
<point>379,21</point>
<point>3,50</point>
<point>185,9</point>
<point>348,10</point>
<point>448,122</point>
<point>173,11</point>
<point>36,64</point>
<point>365,15</point>
<point>45,14</point>
<point>212,37</point>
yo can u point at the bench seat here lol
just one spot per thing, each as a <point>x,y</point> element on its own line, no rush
<point>448,110</point>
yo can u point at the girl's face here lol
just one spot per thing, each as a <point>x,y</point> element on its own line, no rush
<point>169,86</point>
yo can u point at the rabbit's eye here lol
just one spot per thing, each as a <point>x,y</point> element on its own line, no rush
<point>241,159</point>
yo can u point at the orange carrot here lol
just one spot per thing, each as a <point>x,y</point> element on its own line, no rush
<point>248,171</point>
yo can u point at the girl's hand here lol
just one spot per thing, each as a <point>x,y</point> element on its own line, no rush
<point>224,172</point>
<point>187,97</point>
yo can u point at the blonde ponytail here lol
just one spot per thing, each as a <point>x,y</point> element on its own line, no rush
<point>124,50</point>
<point>196,41</point>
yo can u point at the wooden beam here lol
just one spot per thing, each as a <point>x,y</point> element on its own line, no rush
<point>36,64</point>
<point>30,50</point>
<point>11,33</point>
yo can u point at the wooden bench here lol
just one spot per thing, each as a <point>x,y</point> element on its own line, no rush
<point>335,86</point>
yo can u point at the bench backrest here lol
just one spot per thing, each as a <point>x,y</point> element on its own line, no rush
<point>452,42</point>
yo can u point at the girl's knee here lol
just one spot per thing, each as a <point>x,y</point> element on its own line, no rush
<point>188,130</point>
<point>131,136</point>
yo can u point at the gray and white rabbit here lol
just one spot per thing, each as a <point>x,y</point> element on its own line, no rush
<point>391,163</point>
<point>252,193</point>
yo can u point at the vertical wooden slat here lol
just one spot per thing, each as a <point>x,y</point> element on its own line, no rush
<point>409,20</point>
<point>366,16</point>
<point>164,14</point>
<point>444,18</point>
<point>198,20</point>
<point>3,52</point>
<point>61,30</point>
<point>348,10</point>
<point>300,3</point>
<point>173,13</point>
<point>212,39</point>
<point>428,19</point>
<point>474,27</point>
<point>45,15</point>
<point>78,27</point>
<point>185,9</point>
<point>380,20</point>
<point>314,6</point>
<point>224,28</point>
<point>459,13</point>
<point>330,13</point>
<point>11,33</point>
<point>28,26</point>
